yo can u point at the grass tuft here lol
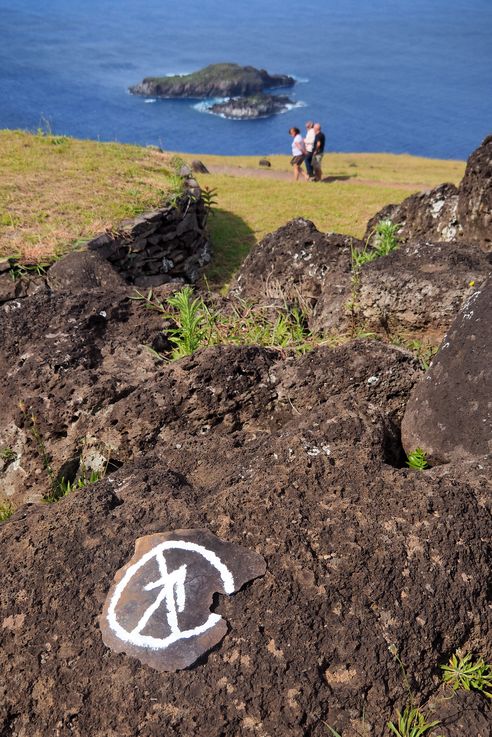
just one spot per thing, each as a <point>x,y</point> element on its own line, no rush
<point>464,672</point>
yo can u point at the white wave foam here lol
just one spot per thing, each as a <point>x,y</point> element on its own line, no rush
<point>150,99</point>
<point>205,107</point>
<point>299,80</point>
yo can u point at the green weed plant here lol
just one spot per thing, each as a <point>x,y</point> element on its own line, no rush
<point>417,460</point>
<point>384,241</point>
<point>194,325</point>
<point>411,723</point>
<point>6,511</point>
<point>463,672</point>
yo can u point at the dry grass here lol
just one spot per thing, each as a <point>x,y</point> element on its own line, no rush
<point>55,191</point>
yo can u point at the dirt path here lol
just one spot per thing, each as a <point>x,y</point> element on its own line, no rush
<point>243,171</point>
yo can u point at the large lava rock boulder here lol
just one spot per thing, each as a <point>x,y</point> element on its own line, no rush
<point>362,560</point>
<point>298,264</point>
<point>83,270</point>
<point>419,288</point>
<point>447,213</point>
<point>431,215</point>
<point>449,413</point>
<point>475,196</point>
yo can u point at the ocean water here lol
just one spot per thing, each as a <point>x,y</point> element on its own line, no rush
<point>401,76</point>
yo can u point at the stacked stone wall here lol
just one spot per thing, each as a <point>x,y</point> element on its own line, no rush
<point>160,246</point>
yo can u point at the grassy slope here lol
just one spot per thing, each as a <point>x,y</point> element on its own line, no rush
<point>249,208</point>
<point>55,191</point>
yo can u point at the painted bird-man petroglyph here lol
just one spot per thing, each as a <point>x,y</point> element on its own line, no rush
<point>158,608</point>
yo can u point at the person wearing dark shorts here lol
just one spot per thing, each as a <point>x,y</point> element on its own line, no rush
<point>298,153</point>
<point>318,151</point>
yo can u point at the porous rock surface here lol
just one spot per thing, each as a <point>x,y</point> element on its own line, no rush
<point>430,215</point>
<point>449,413</point>
<point>447,213</point>
<point>295,458</point>
<point>299,264</point>
<point>415,290</point>
<point>419,287</point>
<point>475,196</point>
<point>361,557</point>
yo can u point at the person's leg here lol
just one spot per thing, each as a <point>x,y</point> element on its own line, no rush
<point>309,165</point>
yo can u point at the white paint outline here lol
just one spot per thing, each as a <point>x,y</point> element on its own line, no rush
<point>172,586</point>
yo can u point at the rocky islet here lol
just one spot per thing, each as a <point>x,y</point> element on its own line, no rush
<point>241,89</point>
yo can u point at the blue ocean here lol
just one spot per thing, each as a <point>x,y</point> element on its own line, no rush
<point>403,76</point>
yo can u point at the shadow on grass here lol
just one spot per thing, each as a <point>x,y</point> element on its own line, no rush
<point>232,240</point>
<point>339,178</point>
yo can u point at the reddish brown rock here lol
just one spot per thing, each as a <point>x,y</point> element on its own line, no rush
<point>158,607</point>
<point>360,556</point>
<point>449,411</point>
<point>300,265</point>
<point>83,270</point>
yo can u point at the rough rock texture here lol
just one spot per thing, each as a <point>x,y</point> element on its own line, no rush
<point>83,270</point>
<point>256,106</point>
<point>360,557</point>
<point>297,263</point>
<point>449,413</point>
<point>475,196</point>
<point>447,213</point>
<point>160,246</point>
<point>158,607</point>
<point>430,215</point>
<point>216,80</point>
<point>96,393</point>
<point>419,287</point>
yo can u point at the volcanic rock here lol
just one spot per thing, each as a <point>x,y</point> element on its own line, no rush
<point>83,270</point>
<point>447,213</point>
<point>449,413</point>
<point>363,559</point>
<point>215,80</point>
<point>299,264</point>
<point>431,215</point>
<point>254,106</point>
<point>475,196</point>
<point>420,287</point>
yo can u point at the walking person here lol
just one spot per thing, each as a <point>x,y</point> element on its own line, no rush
<point>298,153</point>
<point>318,151</point>
<point>309,143</point>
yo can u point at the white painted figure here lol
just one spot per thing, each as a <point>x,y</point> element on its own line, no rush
<point>172,595</point>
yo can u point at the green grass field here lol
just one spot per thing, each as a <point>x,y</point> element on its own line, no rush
<point>57,191</point>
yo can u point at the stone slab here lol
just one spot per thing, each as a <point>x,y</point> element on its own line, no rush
<point>158,607</point>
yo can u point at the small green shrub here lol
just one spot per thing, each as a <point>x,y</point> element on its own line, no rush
<point>411,723</point>
<point>464,672</point>
<point>193,322</point>
<point>64,486</point>
<point>385,237</point>
<point>384,240</point>
<point>417,460</point>
<point>209,197</point>
<point>6,511</point>
<point>7,454</point>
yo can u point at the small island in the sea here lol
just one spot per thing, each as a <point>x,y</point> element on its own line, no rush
<point>254,106</point>
<point>219,80</point>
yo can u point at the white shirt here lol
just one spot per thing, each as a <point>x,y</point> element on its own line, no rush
<point>309,140</point>
<point>298,146</point>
